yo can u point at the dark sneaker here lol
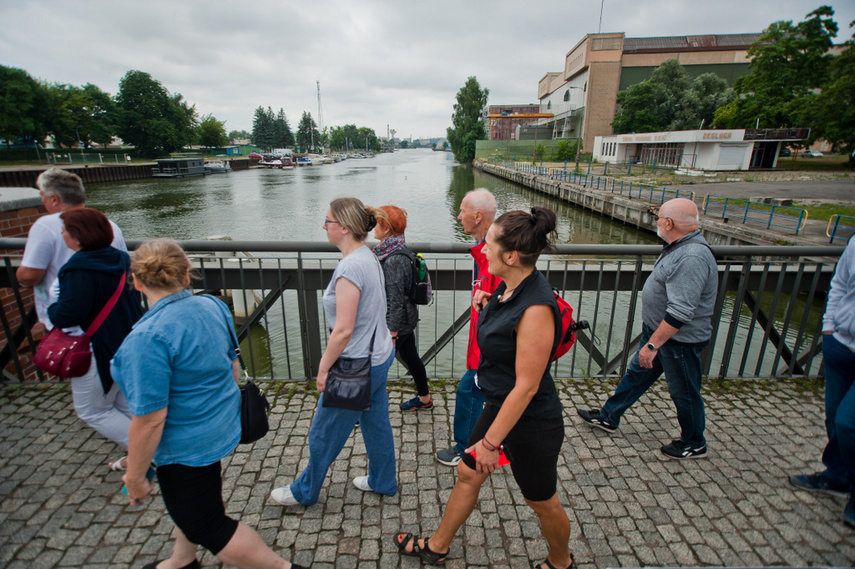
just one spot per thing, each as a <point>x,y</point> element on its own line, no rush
<point>678,450</point>
<point>596,420</point>
<point>449,456</point>
<point>416,403</point>
<point>816,482</point>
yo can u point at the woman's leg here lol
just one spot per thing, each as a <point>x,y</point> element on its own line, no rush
<point>97,409</point>
<point>460,504</point>
<point>329,431</point>
<point>248,551</point>
<point>183,553</point>
<point>555,526</point>
<point>408,351</point>
<point>377,434</point>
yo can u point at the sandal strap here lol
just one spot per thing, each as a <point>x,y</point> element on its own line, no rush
<point>434,556</point>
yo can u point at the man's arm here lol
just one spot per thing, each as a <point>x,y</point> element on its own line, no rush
<point>28,276</point>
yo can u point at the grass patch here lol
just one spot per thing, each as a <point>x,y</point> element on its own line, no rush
<point>824,211</point>
<point>834,163</point>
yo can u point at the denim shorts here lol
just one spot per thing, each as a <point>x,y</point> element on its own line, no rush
<point>532,447</point>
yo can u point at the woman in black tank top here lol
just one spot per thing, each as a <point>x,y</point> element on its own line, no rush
<point>518,331</point>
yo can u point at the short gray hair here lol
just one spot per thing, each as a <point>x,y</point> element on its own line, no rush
<point>482,200</point>
<point>65,185</point>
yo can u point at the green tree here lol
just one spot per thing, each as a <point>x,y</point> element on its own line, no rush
<point>23,106</point>
<point>789,64</point>
<point>263,130</point>
<point>468,120</point>
<point>212,133</point>
<point>234,134</point>
<point>307,136</point>
<point>671,100</point>
<point>832,116</point>
<point>152,119</point>
<point>102,114</point>
<point>283,136</point>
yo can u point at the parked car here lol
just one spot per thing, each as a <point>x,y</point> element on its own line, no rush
<point>255,155</point>
<point>811,154</point>
<point>786,152</point>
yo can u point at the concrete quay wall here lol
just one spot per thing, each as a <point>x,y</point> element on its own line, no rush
<point>635,212</point>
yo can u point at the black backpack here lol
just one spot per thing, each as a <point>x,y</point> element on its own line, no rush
<point>421,291</point>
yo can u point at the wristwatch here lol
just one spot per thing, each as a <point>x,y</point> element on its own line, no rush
<point>651,347</point>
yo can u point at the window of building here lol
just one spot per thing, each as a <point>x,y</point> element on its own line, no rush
<point>549,105</point>
<point>567,95</point>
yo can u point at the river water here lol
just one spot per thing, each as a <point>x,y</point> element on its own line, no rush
<point>260,204</point>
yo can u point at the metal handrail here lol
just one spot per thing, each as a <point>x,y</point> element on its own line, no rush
<point>837,222</point>
<point>763,213</point>
<point>767,318</point>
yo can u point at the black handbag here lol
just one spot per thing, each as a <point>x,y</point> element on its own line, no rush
<point>253,413</point>
<point>253,404</point>
<point>349,382</point>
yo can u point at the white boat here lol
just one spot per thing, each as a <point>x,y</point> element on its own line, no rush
<point>279,162</point>
<point>217,167</point>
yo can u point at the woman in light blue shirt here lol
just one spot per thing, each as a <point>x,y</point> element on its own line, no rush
<point>178,370</point>
<point>355,306</point>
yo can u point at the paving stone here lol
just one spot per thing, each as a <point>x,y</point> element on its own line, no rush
<point>628,506</point>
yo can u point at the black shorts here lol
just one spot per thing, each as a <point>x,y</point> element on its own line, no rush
<point>194,499</point>
<point>532,446</point>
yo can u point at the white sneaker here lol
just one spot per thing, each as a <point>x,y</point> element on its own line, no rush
<point>284,496</point>
<point>361,482</point>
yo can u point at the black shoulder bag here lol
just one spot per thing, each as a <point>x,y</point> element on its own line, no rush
<point>349,382</point>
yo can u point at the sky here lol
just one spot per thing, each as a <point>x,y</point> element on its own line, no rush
<point>380,64</point>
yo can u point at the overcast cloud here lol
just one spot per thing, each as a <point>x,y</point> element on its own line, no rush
<point>378,63</point>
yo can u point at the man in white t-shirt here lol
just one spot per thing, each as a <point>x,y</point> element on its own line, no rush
<point>46,252</point>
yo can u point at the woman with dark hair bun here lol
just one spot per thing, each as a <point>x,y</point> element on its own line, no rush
<point>522,422</point>
<point>86,282</point>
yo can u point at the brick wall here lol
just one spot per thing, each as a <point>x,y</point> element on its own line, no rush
<point>19,209</point>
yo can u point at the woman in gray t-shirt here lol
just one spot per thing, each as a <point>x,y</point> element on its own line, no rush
<point>355,306</point>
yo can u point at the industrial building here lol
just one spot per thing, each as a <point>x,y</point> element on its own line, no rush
<point>582,98</point>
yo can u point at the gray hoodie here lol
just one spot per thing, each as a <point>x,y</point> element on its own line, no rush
<point>682,289</point>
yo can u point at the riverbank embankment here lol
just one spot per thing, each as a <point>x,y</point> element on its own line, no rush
<point>638,212</point>
<point>25,177</point>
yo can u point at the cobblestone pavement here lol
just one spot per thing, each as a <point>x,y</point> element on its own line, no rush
<point>629,506</point>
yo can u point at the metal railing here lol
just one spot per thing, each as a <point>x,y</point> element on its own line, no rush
<point>840,227</point>
<point>767,319</point>
<point>649,192</point>
<point>743,210</point>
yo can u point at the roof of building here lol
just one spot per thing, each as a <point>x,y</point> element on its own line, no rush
<point>705,42</point>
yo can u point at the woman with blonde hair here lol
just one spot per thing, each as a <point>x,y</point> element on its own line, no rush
<point>178,369</point>
<point>402,314</point>
<point>355,306</point>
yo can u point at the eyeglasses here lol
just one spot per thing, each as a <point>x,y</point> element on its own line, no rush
<point>328,221</point>
<point>657,217</point>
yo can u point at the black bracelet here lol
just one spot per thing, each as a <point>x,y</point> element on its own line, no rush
<point>484,440</point>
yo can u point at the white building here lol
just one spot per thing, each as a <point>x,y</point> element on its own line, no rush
<point>737,149</point>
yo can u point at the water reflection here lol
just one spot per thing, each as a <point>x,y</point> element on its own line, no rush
<point>263,204</point>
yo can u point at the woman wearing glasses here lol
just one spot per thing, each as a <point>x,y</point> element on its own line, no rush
<point>355,306</point>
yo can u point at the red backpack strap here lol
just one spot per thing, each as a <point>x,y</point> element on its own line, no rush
<point>107,308</point>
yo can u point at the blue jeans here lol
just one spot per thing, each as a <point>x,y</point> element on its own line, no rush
<point>682,367</point>
<point>839,454</point>
<point>330,430</point>
<point>467,408</point>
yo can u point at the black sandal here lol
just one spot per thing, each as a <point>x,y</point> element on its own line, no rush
<point>550,565</point>
<point>402,544</point>
<point>425,552</point>
<point>432,557</point>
